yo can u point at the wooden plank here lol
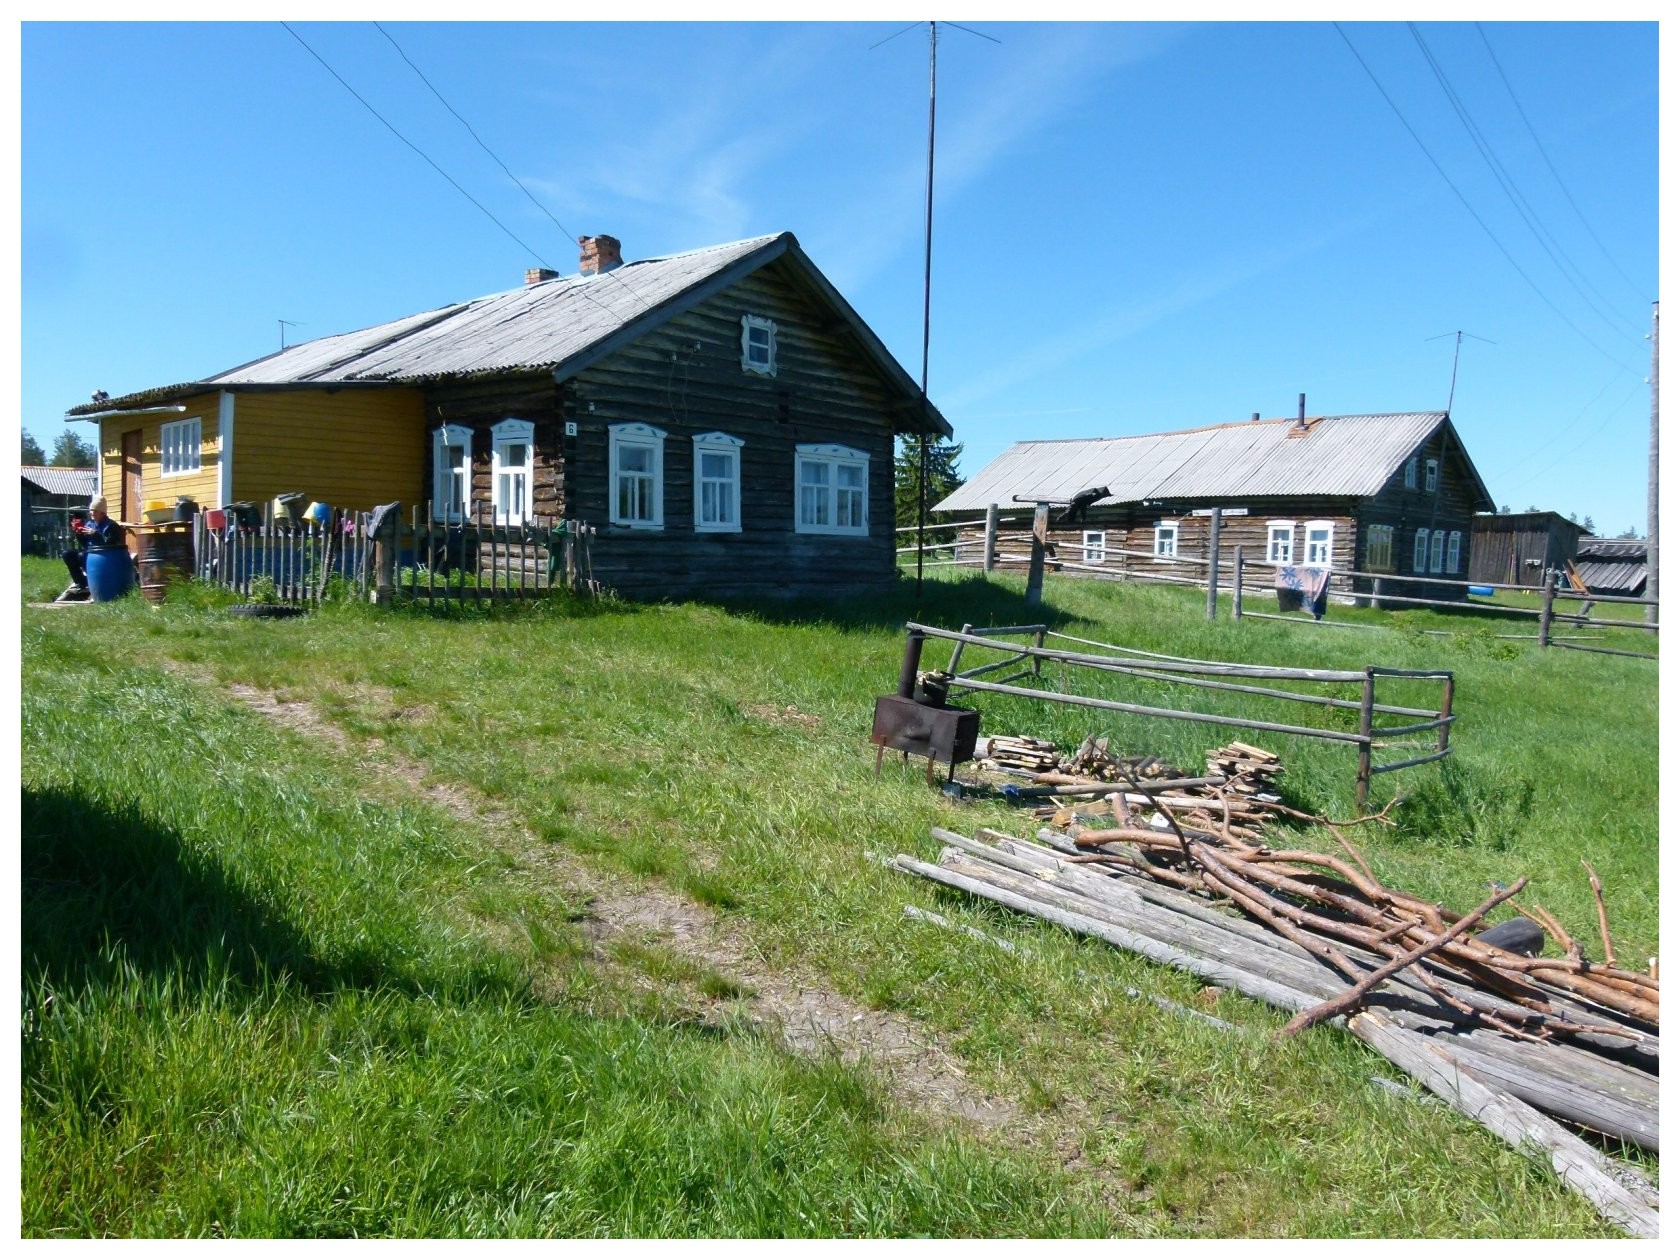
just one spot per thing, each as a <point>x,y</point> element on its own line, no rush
<point>1618,1193</point>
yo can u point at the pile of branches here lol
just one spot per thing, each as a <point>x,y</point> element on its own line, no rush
<point>1486,1030</point>
<point>1325,901</point>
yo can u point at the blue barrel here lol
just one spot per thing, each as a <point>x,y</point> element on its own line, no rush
<point>1481,590</point>
<point>110,573</point>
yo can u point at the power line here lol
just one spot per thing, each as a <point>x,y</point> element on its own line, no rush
<point>399,135</point>
<point>1564,188</point>
<point>1608,417</point>
<point>1508,184</point>
<point>1534,451</point>
<point>476,137</point>
<point>1498,244</point>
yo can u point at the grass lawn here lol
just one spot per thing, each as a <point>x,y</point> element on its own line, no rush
<point>266,994</point>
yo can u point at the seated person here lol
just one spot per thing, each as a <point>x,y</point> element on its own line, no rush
<point>99,530</point>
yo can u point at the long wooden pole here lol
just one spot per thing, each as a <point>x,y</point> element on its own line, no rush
<point>1213,565</point>
<point>1651,493</point>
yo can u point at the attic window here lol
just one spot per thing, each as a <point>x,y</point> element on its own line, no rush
<point>758,345</point>
<point>1431,473</point>
<point>1411,473</point>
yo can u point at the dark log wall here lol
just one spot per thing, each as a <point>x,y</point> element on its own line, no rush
<point>481,404</point>
<point>686,378</point>
<point>1449,508</point>
<point>1132,529</point>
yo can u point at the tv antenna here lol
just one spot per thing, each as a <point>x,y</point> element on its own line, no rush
<point>927,270</point>
<point>1458,341</point>
<point>285,324</point>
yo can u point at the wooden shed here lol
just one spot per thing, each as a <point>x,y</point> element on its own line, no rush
<point>1518,547</point>
<point>723,418</point>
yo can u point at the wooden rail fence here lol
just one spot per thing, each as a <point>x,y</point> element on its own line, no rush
<point>1028,659</point>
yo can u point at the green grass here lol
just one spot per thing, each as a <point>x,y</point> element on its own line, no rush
<point>281,987</point>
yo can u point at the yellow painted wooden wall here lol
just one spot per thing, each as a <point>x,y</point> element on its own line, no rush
<point>201,486</point>
<point>353,448</point>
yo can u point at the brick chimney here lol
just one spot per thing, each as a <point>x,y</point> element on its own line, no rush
<point>597,254</point>
<point>536,275</point>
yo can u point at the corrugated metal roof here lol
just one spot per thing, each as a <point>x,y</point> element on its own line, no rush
<point>1338,455</point>
<point>1609,577</point>
<point>73,481</point>
<point>1611,549</point>
<point>552,325</point>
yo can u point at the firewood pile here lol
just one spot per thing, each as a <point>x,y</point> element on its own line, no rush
<point>1200,877</point>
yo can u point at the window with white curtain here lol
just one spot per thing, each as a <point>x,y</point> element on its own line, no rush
<point>636,475</point>
<point>1455,542</point>
<point>1420,551</point>
<point>511,461</point>
<point>451,471</point>
<point>1320,534</point>
<point>717,483</point>
<point>1437,545</point>
<point>1280,542</point>
<point>180,445</point>
<point>831,487</point>
<point>1166,540</point>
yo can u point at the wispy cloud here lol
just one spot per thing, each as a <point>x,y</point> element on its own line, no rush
<point>1087,335</point>
<point>1036,77</point>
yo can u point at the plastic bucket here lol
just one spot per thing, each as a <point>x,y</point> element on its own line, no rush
<point>110,573</point>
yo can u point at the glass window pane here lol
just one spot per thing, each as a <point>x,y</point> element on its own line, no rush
<point>713,464</point>
<point>635,459</point>
<point>812,473</point>
<point>850,475</point>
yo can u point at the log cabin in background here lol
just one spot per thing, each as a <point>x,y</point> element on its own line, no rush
<point>723,418</point>
<point>1384,494</point>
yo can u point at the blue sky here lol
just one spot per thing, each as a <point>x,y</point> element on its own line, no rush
<point>1137,227</point>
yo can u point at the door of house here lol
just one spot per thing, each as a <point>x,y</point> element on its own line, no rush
<point>132,503</point>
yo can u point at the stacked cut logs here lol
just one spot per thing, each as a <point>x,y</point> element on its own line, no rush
<point>1018,752</point>
<point>1246,769</point>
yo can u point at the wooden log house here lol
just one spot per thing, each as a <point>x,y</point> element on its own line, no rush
<point>723,418</point>
<point>1382,494</point>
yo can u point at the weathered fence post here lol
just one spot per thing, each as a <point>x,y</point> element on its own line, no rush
<point>989,561</point>
<point>1213,565</point>
<point>1446,712</point>
<point>1547,590</point>
<point>385,559</point>
<point>1236,586</point>
<point>1367,696</point>
<point>1035,568</point>
<point>571,557</point>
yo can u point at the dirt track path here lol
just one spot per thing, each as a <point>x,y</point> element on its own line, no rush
<point>809,1018</point>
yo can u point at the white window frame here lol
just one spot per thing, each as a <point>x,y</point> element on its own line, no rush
<point>443,474</point>
<point>621,437</point>
<point>1431,475</point>
<point>1411,473</point>
<point>1437,544</point>
<point>1310,549</point>
<point>181,447</point>
<point>726,445</point>
<point>1284,554</point>
<point>1094,546</point>
<point>1166,540</point>
<point>504,436</point>
<point>1379,548</point>
<point>1455,546</point>
<point>1420,551</point>
<point>750,324</point>
<point>834,458</point>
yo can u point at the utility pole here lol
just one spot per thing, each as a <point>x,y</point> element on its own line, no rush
<point>1651,493</point>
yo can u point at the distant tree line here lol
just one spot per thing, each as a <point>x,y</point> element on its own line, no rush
<point>69,451</point>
